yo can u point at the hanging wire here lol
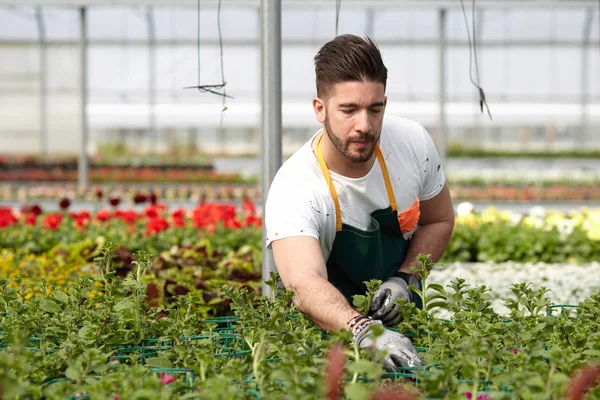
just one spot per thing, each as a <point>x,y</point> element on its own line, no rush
<point>222,71</point>
<point>473,49</point>
<point>338,5</point>
<point>211,88</point>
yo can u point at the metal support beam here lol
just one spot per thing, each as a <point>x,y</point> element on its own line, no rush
<point>271,148</point>
<point>442,143</point>
<point>82,172</point>
<point>585,75</point>
<point>43,113</point>
<point>398,4</point>
<point>152,136</point>
<point>291,42</point>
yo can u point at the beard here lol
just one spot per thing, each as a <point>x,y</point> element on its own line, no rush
<point>361,155</point>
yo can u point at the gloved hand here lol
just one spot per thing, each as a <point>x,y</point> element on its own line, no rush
<point>400,350</point>
<point>383,305</point>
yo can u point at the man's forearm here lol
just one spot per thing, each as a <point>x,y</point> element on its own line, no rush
<point>428,239</point>
<point>323,303</point>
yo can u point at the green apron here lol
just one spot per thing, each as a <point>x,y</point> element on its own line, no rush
<point>358,256</point>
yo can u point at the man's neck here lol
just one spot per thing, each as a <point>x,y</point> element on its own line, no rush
<point>337,163</point>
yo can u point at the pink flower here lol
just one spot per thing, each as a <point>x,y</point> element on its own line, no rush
<point>468,395</point>
<point>515,351</point>
<point>165,379</point>
<point>116,396</point>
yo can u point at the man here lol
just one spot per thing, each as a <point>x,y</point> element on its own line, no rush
<point>344,208</point>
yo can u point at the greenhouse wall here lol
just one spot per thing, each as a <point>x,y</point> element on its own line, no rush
<point>538,68</point>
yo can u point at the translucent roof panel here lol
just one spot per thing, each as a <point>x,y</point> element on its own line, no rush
<point>116,23</point>
<point>18,23</point>
<point>182,23</point>
<point>411,71</point>
<point>563,24</point>
<point>515,25</point>
<point>61,23</point>
<point>392,23</point>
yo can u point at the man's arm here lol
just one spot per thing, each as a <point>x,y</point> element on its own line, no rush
<point>434,231</point>
<point>302,269</point>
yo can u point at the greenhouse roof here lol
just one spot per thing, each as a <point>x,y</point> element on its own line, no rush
<point>313,3</point>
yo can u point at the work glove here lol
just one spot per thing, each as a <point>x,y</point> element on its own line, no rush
<point>399,350</point>
<point>383,304</point>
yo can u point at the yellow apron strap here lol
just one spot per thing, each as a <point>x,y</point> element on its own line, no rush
<point>338,213</point>
<point>325,170</point>
<point>386,178</point>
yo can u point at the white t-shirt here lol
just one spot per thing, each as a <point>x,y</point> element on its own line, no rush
<point>299,202</point>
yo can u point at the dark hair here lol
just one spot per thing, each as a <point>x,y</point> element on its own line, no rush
<point>348,58</point>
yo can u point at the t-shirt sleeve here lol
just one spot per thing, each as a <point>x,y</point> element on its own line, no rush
<point>291,211</point>
<point>433,178</point>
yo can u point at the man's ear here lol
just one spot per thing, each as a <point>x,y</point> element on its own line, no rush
<point>319,108</point>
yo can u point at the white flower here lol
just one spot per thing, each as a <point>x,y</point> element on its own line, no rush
<point>565,228</point>
<point>537,212</point>
<point>515,218</point>
<point>464,208</point>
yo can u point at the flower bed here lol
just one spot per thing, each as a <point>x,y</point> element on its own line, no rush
<point>237,189</point>
<point>67,345</point>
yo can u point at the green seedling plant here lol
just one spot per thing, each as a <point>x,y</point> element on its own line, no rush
<point>100,338</point>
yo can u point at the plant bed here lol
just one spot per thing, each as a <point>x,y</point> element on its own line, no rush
<point>117,346</point>
<point>237,187</point>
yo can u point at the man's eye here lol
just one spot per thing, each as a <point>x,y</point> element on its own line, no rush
<point>348,111</point>
<point>376,110</point>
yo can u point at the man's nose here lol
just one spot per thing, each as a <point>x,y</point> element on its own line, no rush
<point>362,124</point>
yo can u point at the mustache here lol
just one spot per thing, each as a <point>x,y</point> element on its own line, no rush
<point>368,137</point>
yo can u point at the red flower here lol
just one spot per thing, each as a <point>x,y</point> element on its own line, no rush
<point>64,203</point>
<point>128,216</point>
<point>139,198</point>
<point>165,379</point>
<point>248,206</point>
<point>52,221</point>
<point>35,210</point>
<point>30,219</point>
<point>251,220</point>
<point>156,225</point>
<point>114,201</point>
<point>7,218</point>
<point>155,210</point>
<point>179,213</point>
<point>178,222</point>
<point>209,214</point>
<point>103,215</point>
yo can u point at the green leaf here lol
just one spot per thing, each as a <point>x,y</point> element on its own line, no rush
<point>536,382</point>
<point>72,373</point>
<point>49,306</point>
<point>438,288</point>
<point>158,362</point>
<point>356,392</point>
<point>123,305</point>
<point>436,297</point>
<point>83,331</point>
<point>61,296</point>
<point>441,304</point>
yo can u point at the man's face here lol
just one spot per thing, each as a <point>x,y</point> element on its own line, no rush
<point>353,118</point>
